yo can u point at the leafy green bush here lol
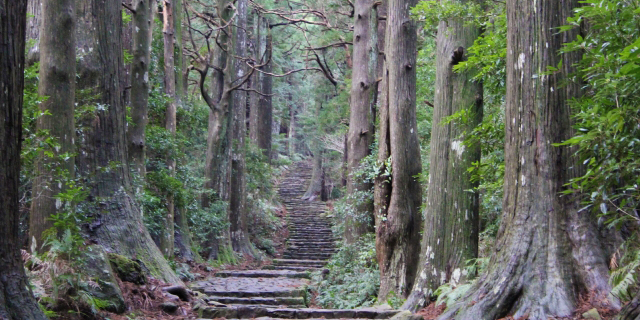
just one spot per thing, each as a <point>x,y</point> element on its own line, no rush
<point>353,279</point>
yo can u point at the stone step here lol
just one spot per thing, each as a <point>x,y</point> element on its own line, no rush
<point>307,256</point>
<point>250,312</point>
<point>274,301</point>
<point>297,268</point>
<point>252,287</point>
<point>306,248</point>
<point>299,262</point>
<point>263,274</point>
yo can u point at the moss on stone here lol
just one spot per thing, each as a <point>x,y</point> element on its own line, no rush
<point>127,269</point>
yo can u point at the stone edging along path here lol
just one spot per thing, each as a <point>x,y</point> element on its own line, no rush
<point>281,291</point>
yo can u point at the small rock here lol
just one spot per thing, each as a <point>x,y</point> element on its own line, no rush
<point>170,296</point>
<point>208,269</point>
<point>169,307</point>
<point>216,304</point>
<point>179,291</point>
<point>592,314</point>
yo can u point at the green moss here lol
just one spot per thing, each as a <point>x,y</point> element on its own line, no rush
<point>127,269</point>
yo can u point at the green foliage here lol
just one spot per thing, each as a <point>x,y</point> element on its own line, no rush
<point>432,12</point>
<point>624,280</point>
<point>606,118</point>
<point>353,278</point>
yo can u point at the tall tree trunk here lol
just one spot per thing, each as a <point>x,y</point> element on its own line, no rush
<point>364,92</point>
<point>116,219</point>
<point>168,30</point>
<point>181,92</point>
<point>262,114</point>
<point>57,82</point>
<point>142,38</point>
<point>315,185</point>
<point>16,299</point>
<point>216,129</point>
<point>450,236</point>
<point>537,268</point>
<point>398,203</point>
<point>217,168</point>
<point>34,25</point>
<point>292,122</point>
<point>238,192</point>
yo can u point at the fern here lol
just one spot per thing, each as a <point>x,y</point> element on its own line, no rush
<point>447,294</point>
<point>624,280</point>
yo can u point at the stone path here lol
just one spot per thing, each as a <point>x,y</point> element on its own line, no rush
<point>281,291</point>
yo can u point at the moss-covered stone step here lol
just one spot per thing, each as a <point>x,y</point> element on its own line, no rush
<point>263,274</point>
<point>249,312</point>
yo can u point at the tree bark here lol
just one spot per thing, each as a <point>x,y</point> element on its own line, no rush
<point>218,109</point>
<point>292,123</point>
<point>261,118</point>
<point>398,203</point>
<point>57,82</point>
<point>238,192</point>
<point>16,299</point>
<point>451,225</point>
<point>168,30</point>
<point>538,267</point>
<point>102,161</point>
<point>142,38</point>
<point>34,24</point>
<point>364,93</point>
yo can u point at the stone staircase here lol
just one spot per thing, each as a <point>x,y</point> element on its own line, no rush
<point>280,292</point>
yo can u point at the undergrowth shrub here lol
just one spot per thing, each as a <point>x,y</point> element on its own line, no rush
<point>353,279</point>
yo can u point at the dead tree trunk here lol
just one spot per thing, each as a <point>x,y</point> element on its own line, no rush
<point>364,94</point>
<point>450,235</point>
<point>543,258</point>
<point>16,299</point>
<point>397,210</point>
<point>102,161</point>
<point>57,82</point>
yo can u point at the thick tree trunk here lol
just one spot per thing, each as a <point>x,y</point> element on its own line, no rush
<point>142,37</point>
<point>34,25</point>
<point>364,92</point>
<point>217,168</point>
<point>16,300</point>
<point>57,82</point>
<point>182,235</point>
<point>238,192</point>
<point>261,107</point>
<point>450,236</point>
<point>116,219</point>
<point>398,225</point>
<point>168,30</point>
<point>536,270</point>
<point>216,130</point>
